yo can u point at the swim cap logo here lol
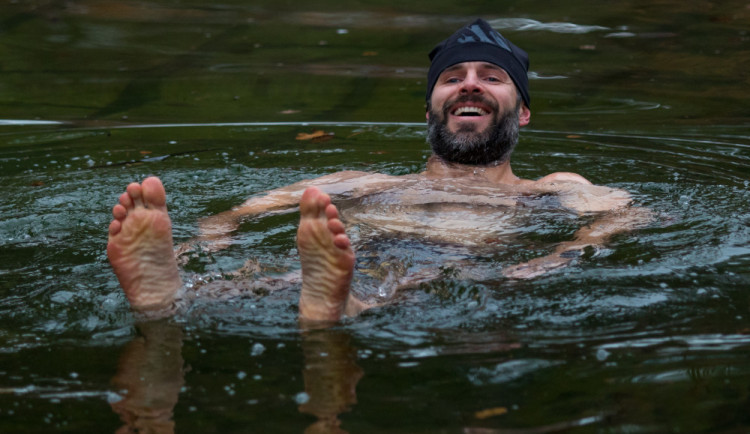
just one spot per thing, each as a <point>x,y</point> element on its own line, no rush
<point>479,33</point>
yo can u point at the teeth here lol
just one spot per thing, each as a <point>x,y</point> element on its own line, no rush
<point>469,110</point>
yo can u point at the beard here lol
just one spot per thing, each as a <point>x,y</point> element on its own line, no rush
<point>493,145</point>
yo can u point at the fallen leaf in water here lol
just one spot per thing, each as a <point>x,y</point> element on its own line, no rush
<point>306,136</point>
<point>588,47</point>
<point>573,136</point>
<point>145,152</point>
<point>490,412</point>
<point>370,53</point>
<point>378,152</point>
<point>315,136</point>
<point>288,112</point>
<point>37,183</point>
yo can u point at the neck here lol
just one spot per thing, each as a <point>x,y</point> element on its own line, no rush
<point>499,173</point>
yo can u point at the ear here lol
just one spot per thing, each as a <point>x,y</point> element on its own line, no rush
<point>524,115</point>
<point>427,115</point>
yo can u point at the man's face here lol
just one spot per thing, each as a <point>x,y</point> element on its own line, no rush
<point>475,114</point>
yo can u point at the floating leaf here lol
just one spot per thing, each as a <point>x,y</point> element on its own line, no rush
<point>315,136</point>
<point>288,112</point>
<point>573,136</point>
<point>145,152</point>
<point>37,183</point>
<point>370,53</point>
<point>490,412</point>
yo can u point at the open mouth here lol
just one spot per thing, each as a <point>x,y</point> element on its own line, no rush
<point>467,111</point>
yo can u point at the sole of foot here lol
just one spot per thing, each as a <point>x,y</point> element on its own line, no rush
<point>140,247</point>
<point>327,258</point>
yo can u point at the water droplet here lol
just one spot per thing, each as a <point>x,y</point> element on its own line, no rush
<point>602,354</point>
<point>301,398</point>
<point>257,350</point>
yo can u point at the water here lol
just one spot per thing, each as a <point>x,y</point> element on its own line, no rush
<point>647,334</point>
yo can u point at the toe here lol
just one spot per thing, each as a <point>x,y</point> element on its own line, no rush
<point>115,227</point>
<point>119,212</point>
<point>331,211</point>
<point>154,195</point>
<point>136,193</point>
<point>341,241</point>
<point>335,226</point>
<point>309,204</point>
<point>126,201</point>
<point>322,202</point>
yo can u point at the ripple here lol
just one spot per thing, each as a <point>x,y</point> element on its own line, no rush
<point>27,122</point>
<point>525,24</point>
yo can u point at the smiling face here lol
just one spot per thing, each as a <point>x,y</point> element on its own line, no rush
<point>475,113</point>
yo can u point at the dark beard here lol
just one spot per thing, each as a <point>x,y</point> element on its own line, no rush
<point>468,146</point>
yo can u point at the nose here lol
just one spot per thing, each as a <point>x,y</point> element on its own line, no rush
<point>471,84</point>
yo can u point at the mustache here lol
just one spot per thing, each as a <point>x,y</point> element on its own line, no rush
<point>473,98</point>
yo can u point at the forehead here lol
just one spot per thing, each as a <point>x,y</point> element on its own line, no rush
<point>478,66</point>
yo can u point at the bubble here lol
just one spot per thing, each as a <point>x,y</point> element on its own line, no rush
<point>258,349</point>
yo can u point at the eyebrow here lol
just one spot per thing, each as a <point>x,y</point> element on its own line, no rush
<point>484,65</point>
<point>452,68</point>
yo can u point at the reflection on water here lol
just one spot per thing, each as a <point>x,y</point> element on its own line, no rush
<point>331,375</point>
<point>149,376</point>
<point>648,333</point>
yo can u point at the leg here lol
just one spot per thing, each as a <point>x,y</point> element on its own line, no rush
<point>327,260</point>
<point>140,247</point>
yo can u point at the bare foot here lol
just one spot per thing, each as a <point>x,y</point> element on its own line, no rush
<point>140,246</point>
<point>327,258</point>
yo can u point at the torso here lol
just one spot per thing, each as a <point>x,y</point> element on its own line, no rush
<point>464,211</point>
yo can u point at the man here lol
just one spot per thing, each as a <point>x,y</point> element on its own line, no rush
<point>477,99</point>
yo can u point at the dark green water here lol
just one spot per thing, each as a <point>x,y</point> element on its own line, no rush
<point>652,334</point>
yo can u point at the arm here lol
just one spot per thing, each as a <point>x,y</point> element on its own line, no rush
<point>214,231</point>
<point>616,216</point>
<point>596,234</point>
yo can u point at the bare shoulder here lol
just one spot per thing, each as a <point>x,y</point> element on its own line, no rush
<point>352,182</point>
<point>333,178</point>
<point>578,193</point>
<point>564,177</point>
<point>349,183</point>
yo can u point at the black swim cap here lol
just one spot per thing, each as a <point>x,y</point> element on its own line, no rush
<point>478,42</point>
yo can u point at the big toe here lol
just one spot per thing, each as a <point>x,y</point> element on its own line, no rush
<point>313,202</point>
<point>154,194</point>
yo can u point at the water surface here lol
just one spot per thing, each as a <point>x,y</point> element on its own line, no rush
<point>648,334</point>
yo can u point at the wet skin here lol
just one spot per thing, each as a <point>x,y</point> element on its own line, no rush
<point>484,80</point>
<point>140,247</point>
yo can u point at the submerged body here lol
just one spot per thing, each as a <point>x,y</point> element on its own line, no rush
<point>466,211</point>
<point>464,206</point>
